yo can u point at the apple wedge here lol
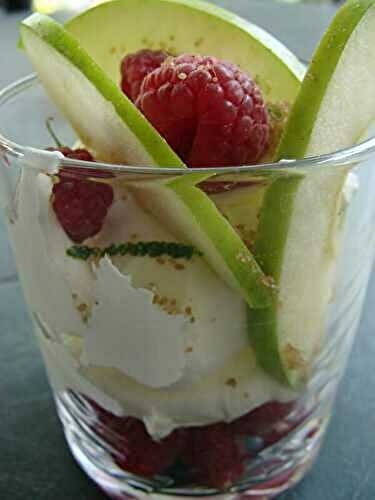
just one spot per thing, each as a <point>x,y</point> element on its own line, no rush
<point>187,26</point>
<point>297,229</point>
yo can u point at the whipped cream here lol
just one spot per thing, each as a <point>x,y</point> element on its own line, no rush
<point>232,391</point>
<point>160,340</point>
<point>217,327</point>
<point>48,290</point>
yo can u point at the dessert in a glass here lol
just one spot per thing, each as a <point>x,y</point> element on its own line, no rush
<point>195,281</point>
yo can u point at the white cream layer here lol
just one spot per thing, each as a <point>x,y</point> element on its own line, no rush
<point>186,361</point>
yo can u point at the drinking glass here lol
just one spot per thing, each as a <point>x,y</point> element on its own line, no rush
<point>229,427</point>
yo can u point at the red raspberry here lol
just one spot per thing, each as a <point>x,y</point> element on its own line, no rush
<point>210,112</point>
<point>133,448</point>
<point>74,154</point>
<point>211,451</point>
<point>80,205</point>
<point>214,455</point>
<point>265,421</point>
<point>135,67</point>
<point>140,454</point>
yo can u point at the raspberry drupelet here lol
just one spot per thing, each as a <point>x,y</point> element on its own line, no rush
<point>135,67</point>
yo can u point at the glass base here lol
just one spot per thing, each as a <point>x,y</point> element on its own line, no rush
<point>275,470</point>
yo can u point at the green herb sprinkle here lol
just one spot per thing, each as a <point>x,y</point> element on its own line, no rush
<point>139,249</point>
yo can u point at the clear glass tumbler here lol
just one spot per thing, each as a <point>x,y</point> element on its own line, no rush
<point>161,377</point>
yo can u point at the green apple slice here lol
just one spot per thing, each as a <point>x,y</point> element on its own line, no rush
<point>104,119</point>
<point>187,26</point>
<point>192,216</point>
<point>335,105</point>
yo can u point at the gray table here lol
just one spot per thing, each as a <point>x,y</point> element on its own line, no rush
<point>34,461</point>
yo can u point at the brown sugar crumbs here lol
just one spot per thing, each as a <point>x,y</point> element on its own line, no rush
<point>169,305</point>
<point>179,267</point>
<point>84,311</point>
<point>245,259</point>
<point>231,382</point>
<point>293,357</point>
<point>163,301</point>
<point>269,281</point>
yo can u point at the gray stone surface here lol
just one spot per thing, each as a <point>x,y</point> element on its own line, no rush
<point>35,463</point>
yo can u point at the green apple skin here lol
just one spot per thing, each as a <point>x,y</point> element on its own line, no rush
<point>47,43</point>
<point>327,116</point>
<point>187,26</point>
<point>269,249</point>
<point>193,217</point>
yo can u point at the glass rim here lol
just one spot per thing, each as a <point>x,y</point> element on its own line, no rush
<point>354,154</point>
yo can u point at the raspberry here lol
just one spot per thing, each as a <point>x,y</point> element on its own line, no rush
<point>80,205</point>
<point>133,448</point>
<point>74,154</point>
<point>135,67</point>
<point>211,451</point>
<point>140,454</point>
<point>210,112</point>
<point>214,455</point>
<point>265,421</point>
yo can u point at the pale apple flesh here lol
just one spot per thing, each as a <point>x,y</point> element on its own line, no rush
<point>326,117</point>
